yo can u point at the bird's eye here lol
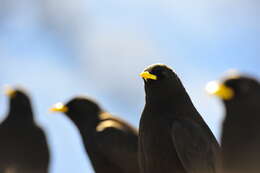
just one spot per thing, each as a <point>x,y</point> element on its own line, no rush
<point>158,73</point>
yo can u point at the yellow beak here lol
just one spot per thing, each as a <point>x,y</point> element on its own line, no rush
<point>10,92</point>
<point>220,90</point>
<point>147,75</point>
<point>59,107</point>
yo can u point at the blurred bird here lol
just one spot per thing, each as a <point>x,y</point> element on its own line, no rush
<point>110,142</point>
<point>173,137</point>
<point>240,132</point>
<point>23,146</point>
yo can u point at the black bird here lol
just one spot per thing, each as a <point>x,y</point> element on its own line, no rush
<point>23,146</point>
<point>240,130</point>
<point>110,143</point>
<point>173,137</point>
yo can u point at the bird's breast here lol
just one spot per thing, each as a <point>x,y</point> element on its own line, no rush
<point>157,147</point>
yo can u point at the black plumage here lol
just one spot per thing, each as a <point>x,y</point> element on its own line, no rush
<point>240,132</point>
<point>173,137</point>
<point>110,142</point>
<point>23,146</point>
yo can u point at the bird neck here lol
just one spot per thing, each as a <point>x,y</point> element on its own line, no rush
<point>86,125</point>
<point>20,116</point>
<point>167,97</point>
<point>176,102</point>
<point>242,106</point>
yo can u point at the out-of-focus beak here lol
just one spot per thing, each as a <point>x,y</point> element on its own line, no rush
<point>220,90</point>
<point>59,107</point>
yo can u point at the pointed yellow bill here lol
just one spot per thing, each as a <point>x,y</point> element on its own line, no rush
<point>10,92</point>
<point>147,75</point>
<point>220,90</point>
<point>59,107</point>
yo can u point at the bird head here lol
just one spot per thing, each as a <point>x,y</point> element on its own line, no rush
<point>234,88</point>
<point>161,81</point>
<point>19,101</point>
<point>78,109</point>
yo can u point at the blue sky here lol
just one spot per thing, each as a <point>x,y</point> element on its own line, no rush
<point>58,49</point>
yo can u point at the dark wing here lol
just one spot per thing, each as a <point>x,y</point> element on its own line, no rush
<point>118,144</point>
<point>196,148</point>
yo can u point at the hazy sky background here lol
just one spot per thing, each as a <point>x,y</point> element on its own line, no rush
<point>58,49</point>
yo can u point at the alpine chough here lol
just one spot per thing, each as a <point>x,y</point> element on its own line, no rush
<point>23,146</point>
<point>173,137</point>
<point>240,129</point>
<point>110,142</point>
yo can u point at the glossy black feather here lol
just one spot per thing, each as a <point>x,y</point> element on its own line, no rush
<point>171,129</point>
<point>110,142</point>
<point>200,155</point>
